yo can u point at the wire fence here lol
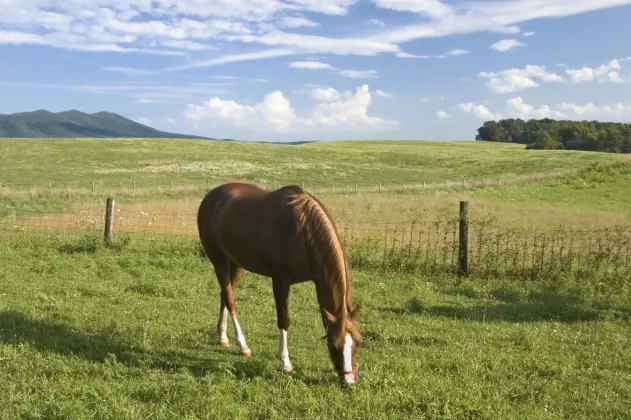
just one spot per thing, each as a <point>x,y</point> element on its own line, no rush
<point>148,187</point>
<point>428,247</point>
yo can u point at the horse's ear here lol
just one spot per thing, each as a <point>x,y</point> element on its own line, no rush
<point>354,312</point>
<point>354,332</point>
<point>329,316</point>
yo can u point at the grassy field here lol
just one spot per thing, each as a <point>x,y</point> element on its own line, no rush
<point>128,332</point>
<point>119,162</point>
<point>90,332</point>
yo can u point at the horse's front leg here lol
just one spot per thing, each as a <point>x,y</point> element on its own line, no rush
<point>281,297</point>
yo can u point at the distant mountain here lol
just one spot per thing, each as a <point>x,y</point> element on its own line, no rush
<point>67,124</point>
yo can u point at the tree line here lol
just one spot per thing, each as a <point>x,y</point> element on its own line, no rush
<point>553,134</point>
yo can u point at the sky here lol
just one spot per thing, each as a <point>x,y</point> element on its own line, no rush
<point>304,70</point>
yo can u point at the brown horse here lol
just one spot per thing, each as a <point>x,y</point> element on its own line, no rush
<point>288,235</point>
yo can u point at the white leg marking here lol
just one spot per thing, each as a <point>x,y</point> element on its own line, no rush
<point>283,353</point>
<point>223,320</point>
<point>243,347</point>
<point>349,378</point>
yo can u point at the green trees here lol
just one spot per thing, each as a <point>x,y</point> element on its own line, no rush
<point>552,134</point>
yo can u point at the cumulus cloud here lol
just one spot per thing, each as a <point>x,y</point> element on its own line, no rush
<point>383,94</point>
<point>609,72</point>
<point>327,95</point>
<point>480,111</point>
<point>517,108</point>
<point>275,114</point>
<point>527,34</point>
<point>506,45</point>
<point>513,80</point>
<point>442,115</point>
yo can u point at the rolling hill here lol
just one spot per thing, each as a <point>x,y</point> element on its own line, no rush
<point>73,124</point>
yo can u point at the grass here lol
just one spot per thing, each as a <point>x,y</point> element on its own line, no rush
<point>29,163</point>
<point>87,331</point>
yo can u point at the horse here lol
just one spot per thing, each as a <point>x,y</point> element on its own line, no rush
<point>289,236</point>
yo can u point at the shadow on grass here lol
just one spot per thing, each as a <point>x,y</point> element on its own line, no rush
<point>509,306</point>
<point>47,336</point>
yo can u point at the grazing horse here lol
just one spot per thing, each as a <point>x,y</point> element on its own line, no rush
<point>288,235</point>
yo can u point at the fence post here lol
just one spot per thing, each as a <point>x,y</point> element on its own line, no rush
<point>92,186</point>
<point>463,245</point>
<point>356,187</point>
<point>109,219</point>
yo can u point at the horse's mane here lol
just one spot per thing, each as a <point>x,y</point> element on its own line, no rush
<point>326,252</point>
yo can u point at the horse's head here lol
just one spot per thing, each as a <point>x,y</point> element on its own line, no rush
<point>342,339</point>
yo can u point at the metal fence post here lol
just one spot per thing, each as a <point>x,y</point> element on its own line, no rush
<point>109,219</point>
<point>463,244</point>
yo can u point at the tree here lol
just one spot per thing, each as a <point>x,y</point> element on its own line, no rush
<point>563,134</point>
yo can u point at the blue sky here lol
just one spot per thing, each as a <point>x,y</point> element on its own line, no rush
<point>286,70</point>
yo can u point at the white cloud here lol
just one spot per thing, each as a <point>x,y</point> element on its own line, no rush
<point>609,72</point>
<point>296,22</point>
<point>425,99</point>
<point>186,45</point>
<point>480,111</point>
<point>481,16</point>
<point>442,115</point>
<point>383,94</point>
<point>377,22</point>
<point>275,114</point>
<point>456,52</point>
<point>359,74</point>
<point>311,65</point>
<point>326,95</point>
<point>171,121</point>
<point>514,80</point>
<point>527,34</point>
<point>431,8</point>
<point>517,108</point>
<point>520,109</point>
<point>179,27</point>
<point>506,45</point>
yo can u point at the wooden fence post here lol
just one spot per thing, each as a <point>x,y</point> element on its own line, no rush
<point>109,220</point>
<point>93,186</point>
<point>463,244</point>
<point>356,187</point>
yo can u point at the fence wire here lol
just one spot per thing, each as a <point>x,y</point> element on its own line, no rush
<point>428,247</point>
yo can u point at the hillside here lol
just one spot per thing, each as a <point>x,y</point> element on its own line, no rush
<point>72,124</point>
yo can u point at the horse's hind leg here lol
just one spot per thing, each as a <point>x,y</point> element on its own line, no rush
<point>227,275</point>
<point>235,274</point>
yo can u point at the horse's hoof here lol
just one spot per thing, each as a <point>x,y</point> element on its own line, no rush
<point>246,353</point>
<point>288,370</point>
<point>223,343</point>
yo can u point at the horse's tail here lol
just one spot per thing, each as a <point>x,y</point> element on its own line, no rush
<point>325,251</point>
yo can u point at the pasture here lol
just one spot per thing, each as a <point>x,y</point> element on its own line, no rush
<point>128,331</point>
<point>87,331</point>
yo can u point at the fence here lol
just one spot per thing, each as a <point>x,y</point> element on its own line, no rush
<point>455,245</point>
<point>183,186</point>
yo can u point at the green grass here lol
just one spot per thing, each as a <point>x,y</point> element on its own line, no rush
<point>118,162</point>
<point>89,332</point>
<point>599,189</point>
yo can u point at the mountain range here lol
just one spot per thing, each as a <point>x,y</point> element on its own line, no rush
<point>73,124</point>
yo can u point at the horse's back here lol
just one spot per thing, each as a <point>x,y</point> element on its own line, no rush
<point>254,227</point>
